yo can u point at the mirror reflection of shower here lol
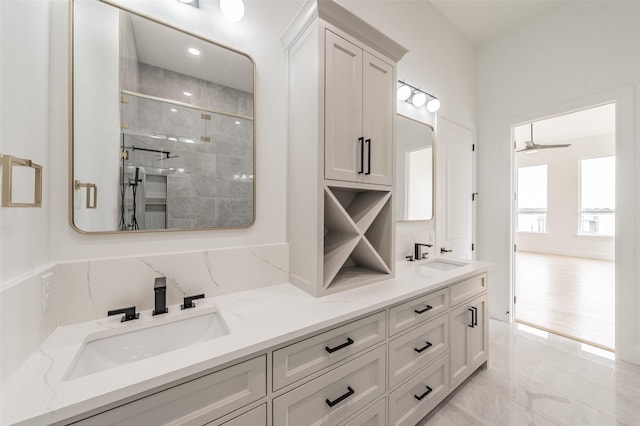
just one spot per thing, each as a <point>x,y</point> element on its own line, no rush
<point>143,185</point>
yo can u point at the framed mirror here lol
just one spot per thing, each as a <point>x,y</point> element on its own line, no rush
<point>414,169</point>
<point>163,126</point>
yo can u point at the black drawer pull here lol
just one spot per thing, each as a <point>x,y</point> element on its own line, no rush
<point>350,392</point>
<point>422,311</point>
<point>419,398</point>
<point>337,348</point>
<point>424,348</point>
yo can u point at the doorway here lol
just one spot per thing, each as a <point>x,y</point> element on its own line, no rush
<point>564,227</point>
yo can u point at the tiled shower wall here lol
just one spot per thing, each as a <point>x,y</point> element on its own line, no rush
<point>209,183</point>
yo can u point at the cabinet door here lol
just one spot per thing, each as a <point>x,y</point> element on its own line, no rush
<point>479,334</point>
<point>378,112</point>
<point>461,319</point>
<point>469,338</point>
<point>343,109</point>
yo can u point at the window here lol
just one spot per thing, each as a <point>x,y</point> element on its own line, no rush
<point>598,196</point>
<point>532,199</point>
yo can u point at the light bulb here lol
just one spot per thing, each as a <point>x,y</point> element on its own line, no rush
<point>233,10</point>
<point>419,99</point>
<point>404,92</point>
<point>433,105</point>
<point>194,51</point>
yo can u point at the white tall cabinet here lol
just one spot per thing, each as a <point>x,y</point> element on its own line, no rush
<point>341,149</point>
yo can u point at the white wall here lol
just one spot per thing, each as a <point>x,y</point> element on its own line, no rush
<point>582,53</point>
<point>563,200</point>
<point>24,129</point>
<point>440,61</point>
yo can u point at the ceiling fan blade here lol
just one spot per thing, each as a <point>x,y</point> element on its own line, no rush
<point>553,146</point>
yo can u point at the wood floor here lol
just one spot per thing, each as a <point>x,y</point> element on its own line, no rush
<point>571,296</point>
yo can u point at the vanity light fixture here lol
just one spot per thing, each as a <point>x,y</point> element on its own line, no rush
<point>194,51</point>
<point>233,10</point>
<point>417,97</point>
<point>404,92</point>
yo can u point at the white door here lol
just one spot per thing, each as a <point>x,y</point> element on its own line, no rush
<point>378,95</point>
<point>344,141</point>
<point>454,221</point>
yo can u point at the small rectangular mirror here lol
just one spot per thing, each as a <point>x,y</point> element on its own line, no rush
<point>163,126</point>
<point>414,169</point>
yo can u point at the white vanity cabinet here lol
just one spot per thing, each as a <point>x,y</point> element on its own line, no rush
<point>469,331</point>
<point>342,80</point>
<point>358,110</point>
<point>388,366</point>
<point>195,402</point>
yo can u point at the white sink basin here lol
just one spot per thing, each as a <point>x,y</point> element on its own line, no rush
<point>139,341</point>
<point>444,264</point>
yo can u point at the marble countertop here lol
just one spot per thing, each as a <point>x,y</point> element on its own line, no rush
<point>259,319</point>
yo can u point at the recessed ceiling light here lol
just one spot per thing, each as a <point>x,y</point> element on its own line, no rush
<point>188,140</point>
<point>181,170</point>
<point>173,110</point>
<point>187,93</point>
<point>173,139</point>
<point>237,122</point>
<point>194,51</point>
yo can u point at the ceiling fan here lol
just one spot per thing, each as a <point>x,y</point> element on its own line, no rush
<point>531,147</point>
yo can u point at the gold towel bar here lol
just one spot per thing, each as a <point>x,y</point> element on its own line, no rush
<point>89,187</point>
<point>8,161</point>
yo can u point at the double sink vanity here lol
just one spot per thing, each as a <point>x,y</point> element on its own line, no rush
<point>386,353</point>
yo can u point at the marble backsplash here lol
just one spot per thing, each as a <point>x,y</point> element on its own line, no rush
<point>89,289</point>
<point>86,290</point>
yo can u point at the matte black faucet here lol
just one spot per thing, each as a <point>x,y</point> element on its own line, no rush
<point>417,255</point>
<point>160,290</point>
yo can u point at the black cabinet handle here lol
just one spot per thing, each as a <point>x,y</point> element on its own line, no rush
<point>337,348</point>
<point>422,311</point>
<point>419,398</point>
<point>473,317</point>
<point>424,348</point>
<point>350,392</point>
<point>361,140</point>
<point>368,141</point>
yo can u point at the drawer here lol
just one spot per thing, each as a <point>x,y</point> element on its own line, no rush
<point>196,402</point>
<point>297,361</point>
<point>372,416</point>
<point>416,349</point>
<point>417,310</point>
<point>466,289</point>
<point>405,407</point>
<point>255,417</point>
<point>333,397</point>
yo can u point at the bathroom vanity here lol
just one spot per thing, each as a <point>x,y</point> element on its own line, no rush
<point>384,354</point>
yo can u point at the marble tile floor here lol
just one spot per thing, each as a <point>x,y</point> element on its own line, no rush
<point>535,378</point>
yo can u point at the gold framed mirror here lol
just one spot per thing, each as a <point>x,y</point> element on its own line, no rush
<point>163,134</point>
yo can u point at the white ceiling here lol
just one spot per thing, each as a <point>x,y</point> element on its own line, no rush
<point>569,127</point>
<point>483,20</point>
<point>165,47</point>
